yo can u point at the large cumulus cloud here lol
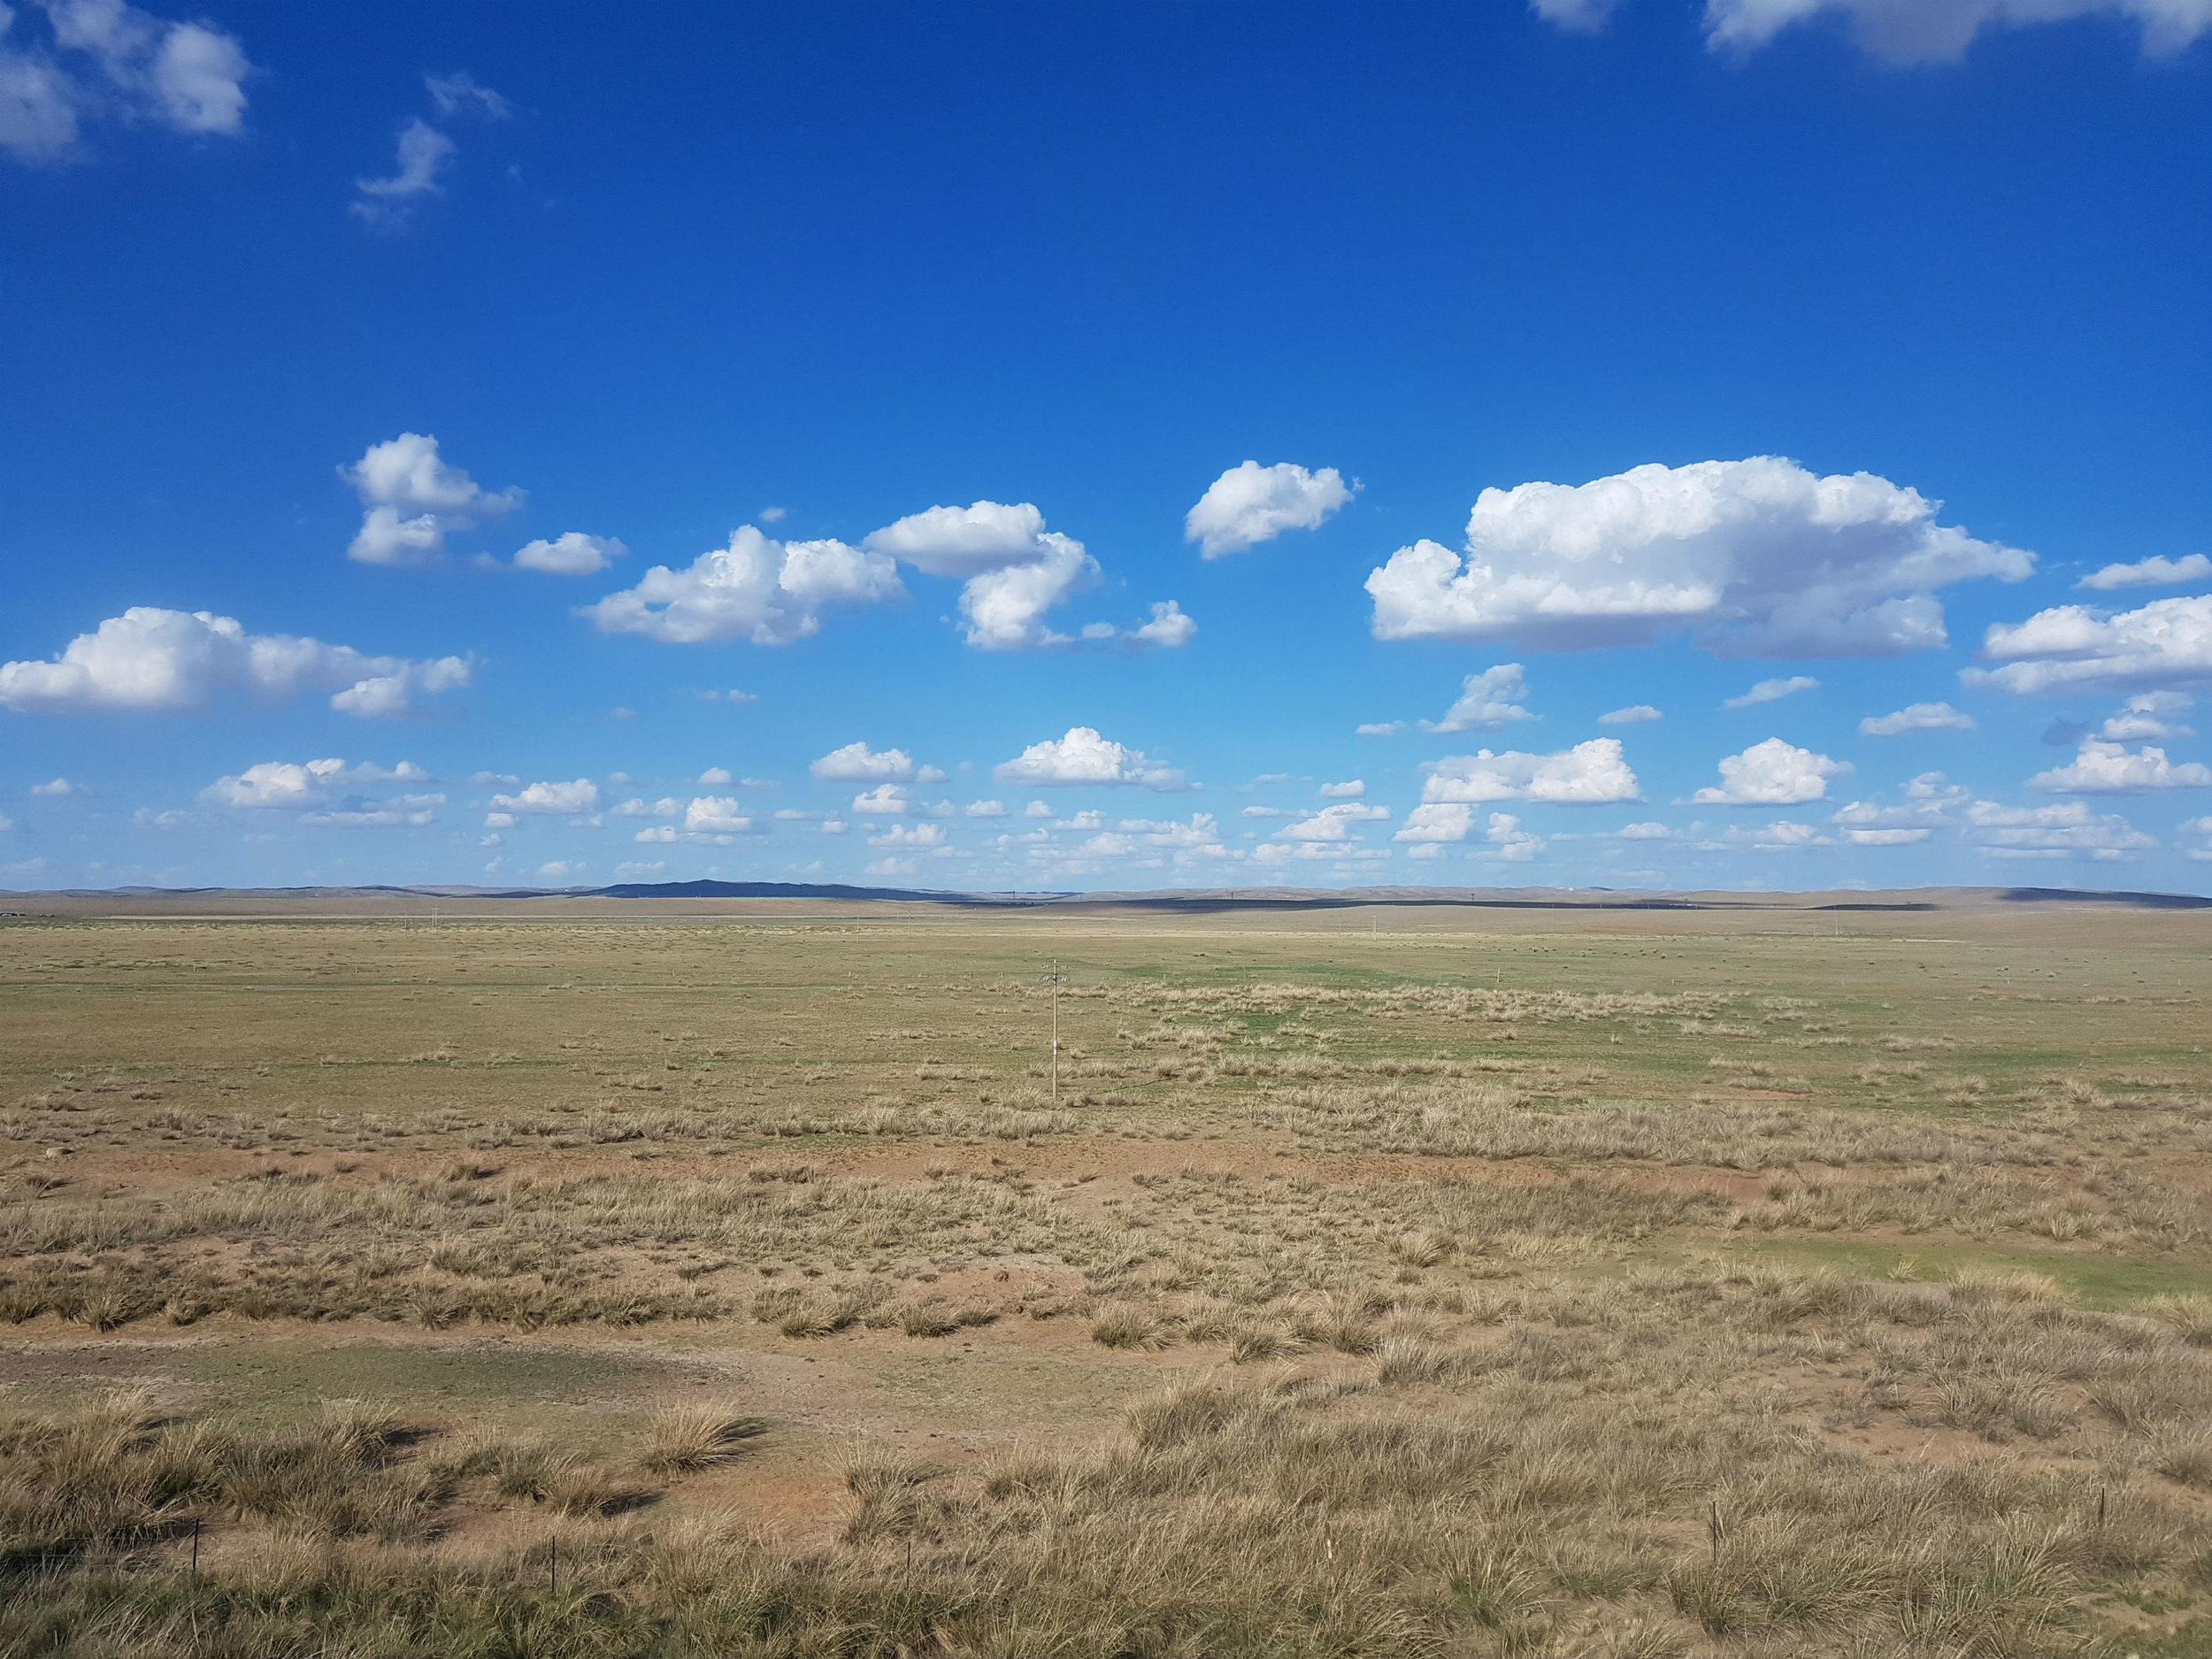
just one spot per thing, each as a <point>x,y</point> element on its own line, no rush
<point>1756,557</point>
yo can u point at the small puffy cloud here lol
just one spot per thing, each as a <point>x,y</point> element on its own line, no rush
<point>1269,812</point>
<point>387,203</point>
<point>1782,836</point>
<point>1350,791</point>
<point>965,541</point>
<point>1437,821</point>
<point>770,592</point>
<point>2066,829</point>
<point>715,775</point>
<point>278,785</point>
<point>1332,823</point>
<point>1893,836</point>
<point>1635,714</point>
<point>1251,503</point>
<point>1773,773</point>
<point>1588,774</point>
<point>1930,801</point>
<point>412,499</point>
<point>667,806</point>
<point>457,94</point>
<point>1645,831</point>
<point>987,809</point>
<point>856,763</point>
<point>2076,647</point>
<point>573,554</point>
<point>2150,714</point>
<point>1202,834</point>
<point>58,787</point>
<point>1918,717</point>
<point>1037,809</point>
<point>1005,609</point>
<point>1513,843</point>
<point>2157,571</point>
<point>891,867</point>
<point>1759,557</point>
<point>549,799</point>
<point>1939,31</point>
<point>886,800</point>
<point>1013,569</point>
<point>715,815</point>
<point>1379,728</point>
<point>1770,690</point>
<point>1488,702</point>
<point>388,696</point>
<point>909,835</point>
<point>2105,768</point>
<point>1167,628</point>
<point>150,660</point>
<point>111,60</point>
<point>1083,757</point>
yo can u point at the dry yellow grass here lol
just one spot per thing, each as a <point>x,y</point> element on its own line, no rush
<point>1570,1285</point>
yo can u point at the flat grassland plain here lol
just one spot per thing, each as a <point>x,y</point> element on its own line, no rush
<point>1414,1280</point>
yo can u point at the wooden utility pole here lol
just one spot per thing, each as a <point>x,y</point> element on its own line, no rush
<point>1055,979</point>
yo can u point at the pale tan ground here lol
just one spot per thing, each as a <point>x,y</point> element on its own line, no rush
<point>1256,1113</point>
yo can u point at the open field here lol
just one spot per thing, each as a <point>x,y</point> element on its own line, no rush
<point>1420,1280</point>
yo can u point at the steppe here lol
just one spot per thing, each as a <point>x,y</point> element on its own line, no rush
<point>563,1276</point>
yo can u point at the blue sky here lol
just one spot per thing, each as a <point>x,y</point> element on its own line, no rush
<point>1015,446</point>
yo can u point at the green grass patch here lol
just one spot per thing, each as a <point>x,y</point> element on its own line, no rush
<point>2113,1283</point>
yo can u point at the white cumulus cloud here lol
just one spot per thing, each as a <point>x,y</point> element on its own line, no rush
<point>1488,701</point>
<point>1939,31</point>
<point>152,660</point>
<point>572,554</point>
<point>1773,773</point>
<point>1917,716</point>
<point>110,60</point>
<point>1513,843</point>
<point>278,785</point>
<point>1351,790</point>
<point>1759,557</point>
<point>1437,821</point>
<point>2106,768</point>
<point>885,800</point>
<point>770,592</point>
<point>1635,714</point>
<point>551,799</point>
<point>715,815</point>
<point>2076,647</point>
<point>1332,823</point>
<point>412,499</point>
<point>1012,571</point>
<point>1083,757</point>
<point>1251,503</point>
<point>2157,571</point>
<point>1772,690</point>
<point>909,835</point>
<point>2066,829</point>
<point>58,787</point>
<point>2149,714</point>
<point>856,763</point>
<point>1588,774</point>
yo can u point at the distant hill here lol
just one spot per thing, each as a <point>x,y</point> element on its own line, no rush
<point>359,900</point>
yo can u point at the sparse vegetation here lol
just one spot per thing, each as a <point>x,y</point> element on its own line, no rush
<point>1683,1291</point>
